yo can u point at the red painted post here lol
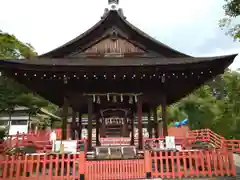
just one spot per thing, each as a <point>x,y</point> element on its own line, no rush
<point>82,165</point>
<point>232,164</point>
<point>148,164</point>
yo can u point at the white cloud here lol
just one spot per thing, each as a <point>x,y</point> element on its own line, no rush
<point>47,24</point>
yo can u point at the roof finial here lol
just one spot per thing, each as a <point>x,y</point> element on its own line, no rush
<point>113,4</point>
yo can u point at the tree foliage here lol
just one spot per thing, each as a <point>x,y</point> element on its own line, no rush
<point>215,105</point>
<point>12,93</point>
<point>12,48</point>
<point>232,12</point>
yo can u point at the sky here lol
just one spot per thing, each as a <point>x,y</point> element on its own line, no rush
<point>189,26</point>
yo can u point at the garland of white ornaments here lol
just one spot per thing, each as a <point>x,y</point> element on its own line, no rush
<point>133,97</point>
<point>66,77</point>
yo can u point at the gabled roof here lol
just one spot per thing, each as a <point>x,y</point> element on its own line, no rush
<point>113,18</point>
<point>146,55</point>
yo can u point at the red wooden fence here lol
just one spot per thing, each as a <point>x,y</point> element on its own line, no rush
<point>41,140</point>
<point>191,164</point>
<point>233,145</point>
<point>206,135</point>
<point>115,169</point>
<point>41,144</point>
<point>158,164</point>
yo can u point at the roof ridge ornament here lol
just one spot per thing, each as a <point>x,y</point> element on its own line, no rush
<point>113,4</point>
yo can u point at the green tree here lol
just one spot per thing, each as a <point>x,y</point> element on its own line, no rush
<point>12,48</point>
<point>12,93</point>
<point>232,12</point>
<point>215,105</point>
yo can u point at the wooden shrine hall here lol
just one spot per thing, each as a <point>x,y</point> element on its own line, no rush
<point>114,72</point>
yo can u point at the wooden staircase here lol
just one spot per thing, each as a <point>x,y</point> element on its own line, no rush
<point>114,130</point>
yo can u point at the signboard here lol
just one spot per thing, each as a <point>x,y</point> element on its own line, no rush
<point>69,146</point>
<point>114,120</point>
<point>170,142</point>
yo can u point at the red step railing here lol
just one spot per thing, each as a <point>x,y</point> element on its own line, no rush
<point>233,145</point>
<point>207,135</point>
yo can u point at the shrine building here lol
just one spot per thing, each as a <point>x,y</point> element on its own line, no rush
<point>115,73</point>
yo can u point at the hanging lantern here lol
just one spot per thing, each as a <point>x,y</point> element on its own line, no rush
<point>108,98</point>
<point>130,100</point>
<point>94,98</point>
<point>135,98</point>
<point>121,98</point>
<point>98,100</point>
<point>114,99</point>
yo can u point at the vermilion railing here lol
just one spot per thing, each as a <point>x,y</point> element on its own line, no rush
<point>181,164</point>
<point>191,164</point>
<point>233,145</point>
<point>115,169</point>
<point>207,135</point>
<point>39,141</point>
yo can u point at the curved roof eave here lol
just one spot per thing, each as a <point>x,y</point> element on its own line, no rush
<point>56,64</point>
<point>113,16</point>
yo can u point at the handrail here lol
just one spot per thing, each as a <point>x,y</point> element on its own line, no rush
<point>207,135</point>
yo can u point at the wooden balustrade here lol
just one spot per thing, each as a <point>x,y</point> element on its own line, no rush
<point>233,145</point>
<point>40,140</point>
<point>207,135</point>
<point>200,163</point>
<point>191,164</point>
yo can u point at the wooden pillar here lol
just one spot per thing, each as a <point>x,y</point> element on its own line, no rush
<point>90,119</point>
<point>103,127</point>
<point>79,128</point>
<point>132,131</point>
<point>73,125</point>
<point>155,122</point>
<point>160,128</point>
<point>64,119</point>
<point>140,131</point>
<point>97,131</point>
<point>149,124</point>
<point>164,116</point>
<point>125,127</point>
